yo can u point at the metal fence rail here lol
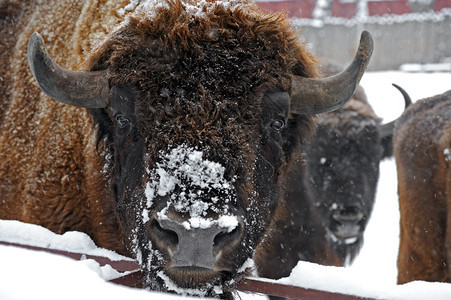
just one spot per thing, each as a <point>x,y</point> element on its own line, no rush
<point>134,276</point>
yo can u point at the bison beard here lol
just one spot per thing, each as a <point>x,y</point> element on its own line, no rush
<point>196,109</point>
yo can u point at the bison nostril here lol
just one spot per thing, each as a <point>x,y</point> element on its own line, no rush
<point>224,238</point>
<point>169,236</point>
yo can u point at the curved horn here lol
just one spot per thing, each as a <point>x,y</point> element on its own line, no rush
<point>317,95</point>
<point>387,129</point>
<point>84,89</point>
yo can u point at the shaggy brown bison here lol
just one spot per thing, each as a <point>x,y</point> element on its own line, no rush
<point>422,148</point>
<point>170,139</point>
<point>329,198</point>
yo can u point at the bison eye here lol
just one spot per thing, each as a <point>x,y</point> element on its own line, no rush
<point>277,124</point>
<point>122,121</point>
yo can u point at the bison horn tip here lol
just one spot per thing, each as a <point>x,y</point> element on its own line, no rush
<point>318,95</point>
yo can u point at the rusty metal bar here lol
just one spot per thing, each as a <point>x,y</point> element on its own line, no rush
<point>135,277</point>
<point>289,291</point>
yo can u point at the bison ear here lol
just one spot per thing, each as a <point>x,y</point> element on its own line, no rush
<point>84,89</point>
<point>318,95</point>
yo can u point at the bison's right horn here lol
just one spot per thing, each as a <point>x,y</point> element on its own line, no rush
<point>318,95</point>
<point>84,89</point>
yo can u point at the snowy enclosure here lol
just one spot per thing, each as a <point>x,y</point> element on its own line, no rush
<point>26,274</point>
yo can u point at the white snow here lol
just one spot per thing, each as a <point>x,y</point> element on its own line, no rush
<point>129,7</point>
<point>438,67</point>
<point>362,16</point>
<point>21,233</point>
<point>26,274</point>
<point>447,153</point>
<point>197,9</point>
<point>226,221</point>
<point>186,168</point>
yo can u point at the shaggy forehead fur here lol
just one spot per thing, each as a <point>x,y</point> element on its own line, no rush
<point>196,75</point>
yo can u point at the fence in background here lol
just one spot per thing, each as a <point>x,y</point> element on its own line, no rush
<point>418,38</point>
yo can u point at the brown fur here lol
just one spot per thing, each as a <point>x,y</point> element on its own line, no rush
<point>56,161</point>
<point>424,185</point>
<point>11,19</point>
<point>61,190</point>
<point>296,233</point>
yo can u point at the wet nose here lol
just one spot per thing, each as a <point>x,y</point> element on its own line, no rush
<point>348,214</point>
<point>199,245</point>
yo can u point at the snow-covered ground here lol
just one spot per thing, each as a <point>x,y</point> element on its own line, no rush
<point>26,274</point>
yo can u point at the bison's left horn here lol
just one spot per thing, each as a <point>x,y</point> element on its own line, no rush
<point>84,89</point>
<point>318,95</point>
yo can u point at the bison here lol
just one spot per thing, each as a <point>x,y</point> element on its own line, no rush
<point>329,198</point>
<point>422,148</point>
<point>343,170</point>
<point>172,130</point>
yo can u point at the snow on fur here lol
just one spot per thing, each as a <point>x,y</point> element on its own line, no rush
<point>185,168</point>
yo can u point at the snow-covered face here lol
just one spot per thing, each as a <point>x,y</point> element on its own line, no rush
<point>191,215</point>
<point>194,212</point>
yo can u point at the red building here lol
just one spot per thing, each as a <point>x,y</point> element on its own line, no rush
<point>344,8</point>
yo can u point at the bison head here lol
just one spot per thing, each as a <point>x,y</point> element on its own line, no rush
<point>201,107</point>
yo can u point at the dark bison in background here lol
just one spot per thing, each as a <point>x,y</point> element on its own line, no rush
<point>343,170</point>
<point>330,194</point>
<point>170,140</point>
<point>422,148</point>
